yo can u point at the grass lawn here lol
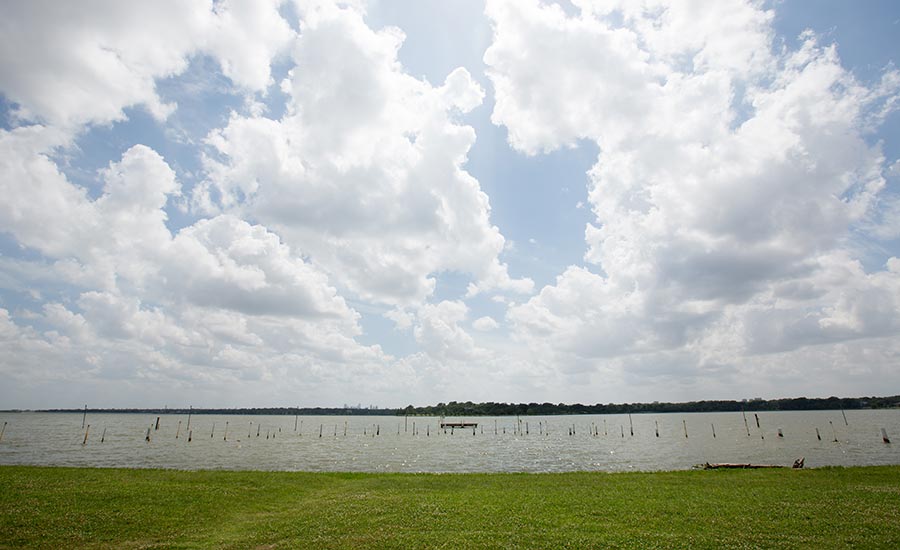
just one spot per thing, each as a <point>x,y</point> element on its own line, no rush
<point>106,508</point>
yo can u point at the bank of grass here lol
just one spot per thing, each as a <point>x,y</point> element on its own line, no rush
<point>107,508</point>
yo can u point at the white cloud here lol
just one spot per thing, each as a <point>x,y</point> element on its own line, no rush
<point>364,174</point>
<point>707,200</point>
<point>440,334</point>
<point>485,324</point>
<point>97,58</point>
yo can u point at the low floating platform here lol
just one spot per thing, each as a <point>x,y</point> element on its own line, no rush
<point>459,425</point>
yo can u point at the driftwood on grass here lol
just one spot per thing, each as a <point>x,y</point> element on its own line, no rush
<point>746,466</point>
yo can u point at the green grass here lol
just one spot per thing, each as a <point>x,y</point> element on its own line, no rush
<point>105,508</point>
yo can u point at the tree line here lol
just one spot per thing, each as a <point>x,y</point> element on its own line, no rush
<point>468,408</point>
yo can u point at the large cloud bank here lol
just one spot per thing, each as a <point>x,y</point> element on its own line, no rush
<point>738,195</point>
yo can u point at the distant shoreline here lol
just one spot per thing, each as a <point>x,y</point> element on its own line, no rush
<point>468,408</point>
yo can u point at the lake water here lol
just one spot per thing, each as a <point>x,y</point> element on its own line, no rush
<point>398,444</point>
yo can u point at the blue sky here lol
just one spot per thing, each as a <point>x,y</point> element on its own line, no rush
<point>410,202</point>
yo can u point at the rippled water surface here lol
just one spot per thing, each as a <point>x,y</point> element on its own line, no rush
<point>397,444</point>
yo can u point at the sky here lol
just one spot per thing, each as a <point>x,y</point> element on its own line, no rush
<point>248,203</point>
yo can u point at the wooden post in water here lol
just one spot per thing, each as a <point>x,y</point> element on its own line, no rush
<point>86,434</point>
<point>884,436</point>
<point>819,437</point>
<point>296,418</point>
<point>2,431</point>
<point>526,428</point>
<point>190,411</point>
<point>605,432</point>
<point>190,435</point>
<point>225,437</point>
<point>780,433</point>
<point>103,437</point>
<point>834,433</point>
<point>84,417</point>
<point>414,429</point>
<point>630,425</point>
<point>345,428</point>
<point>335,430</point>
<point>495,426</point>
<point>684,423</point>
<point>623,430</point>
<point>428,430</point>
<point>147,437</point>
<point>212,432</point>
<point>746,426</point>
<point>258,428</point>
<point>320,430</point>
<point>157,425</point>
<point>300,431</point>
<point>757,420</point>
<point>406,424</point>
<point>656,422</point>
<point>713,429</point>
<point>845,417</point>
<point>178,431</point>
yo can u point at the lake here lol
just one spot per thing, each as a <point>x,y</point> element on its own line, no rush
<point>416,444</point>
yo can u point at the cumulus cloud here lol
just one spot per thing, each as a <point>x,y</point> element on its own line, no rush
<point>730,173</point>
<point>72,64</point>
<point>364,174</point>
<point>485,324</point>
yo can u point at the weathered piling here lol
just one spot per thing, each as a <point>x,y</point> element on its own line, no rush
<point>267,433</point>
<point>178,431</point>
<point>833,432</point>
<point>713,430</point>
<point>630,425</point>
<point>656,423</point>
<point>780,433</point>
<point>2,431</point>
<point>746,426</point>
<point>757,420</point>
<point>157,425</point>
<point>212,432</point>
<point>103,436</point>
<point>684,423</point>
<point>526,428</point>
<point>345,428</point>
<point>428,430</point>
<point>818,436</point>
<point>190,411</point>
<point>845,417</point>
<point>258,428</point>
<point>320,430</point>
<point>296,418</point>
<point>495,426</point>
<point>335,430</point>
<point>622,428</point>
<point>190,435</point>
<point>84,417</point>
<point>86,434</point>
<point>605,432</point>
<point>147,437</point>
<point>225,437</point>
<point>300,431</point>
<point>884,436</point>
